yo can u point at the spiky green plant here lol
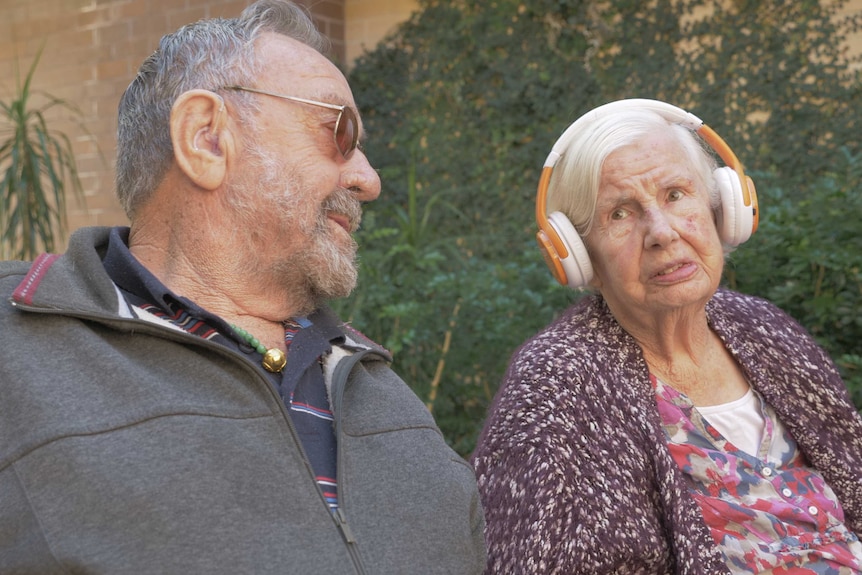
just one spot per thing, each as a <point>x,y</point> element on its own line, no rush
<point>38,168</point>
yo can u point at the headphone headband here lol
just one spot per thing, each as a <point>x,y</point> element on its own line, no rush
<point>663,109</point>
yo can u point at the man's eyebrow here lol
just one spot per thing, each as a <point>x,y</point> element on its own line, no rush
<point>333,98</point>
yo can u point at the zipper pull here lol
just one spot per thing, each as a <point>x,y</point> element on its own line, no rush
<point>345,528</point>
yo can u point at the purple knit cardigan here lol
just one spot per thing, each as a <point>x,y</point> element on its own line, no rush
<point>573,468</point>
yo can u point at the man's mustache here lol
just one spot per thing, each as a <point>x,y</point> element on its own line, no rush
<point>343,202</point>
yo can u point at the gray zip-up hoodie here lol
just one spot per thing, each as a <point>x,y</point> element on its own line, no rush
<point>130,447</point>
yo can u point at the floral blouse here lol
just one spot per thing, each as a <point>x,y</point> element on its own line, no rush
<point>770,513</point>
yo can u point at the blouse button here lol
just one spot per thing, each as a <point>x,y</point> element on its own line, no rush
<point>812,510</point>
<point>786,492</point>
<point>767,472</point>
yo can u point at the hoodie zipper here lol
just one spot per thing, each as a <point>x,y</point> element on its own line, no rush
<point>339,382</point>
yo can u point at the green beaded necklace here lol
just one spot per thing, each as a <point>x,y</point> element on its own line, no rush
<point>274,359</point>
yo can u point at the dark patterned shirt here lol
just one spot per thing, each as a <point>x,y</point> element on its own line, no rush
<point>301,383</point>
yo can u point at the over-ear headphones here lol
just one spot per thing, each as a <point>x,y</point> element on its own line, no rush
<point>562,246</point>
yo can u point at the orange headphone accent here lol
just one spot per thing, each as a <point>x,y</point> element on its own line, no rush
<point>562,246</point>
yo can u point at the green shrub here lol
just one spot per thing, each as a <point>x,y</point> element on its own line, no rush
<point>807,258</point>
<point>462,105</point>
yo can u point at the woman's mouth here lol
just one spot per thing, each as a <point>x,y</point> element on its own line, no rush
<point>670,270</point>
<point>676,272</point>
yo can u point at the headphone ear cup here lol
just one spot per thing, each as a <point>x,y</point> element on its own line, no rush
<point>735,219</point>
<point>577,265</point>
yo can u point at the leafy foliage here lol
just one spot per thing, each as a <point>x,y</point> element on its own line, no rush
<point>462,105</point>
<point>38,168</point>
<point>807,259</point>
<point>781,91</point>
<point>450,317</point>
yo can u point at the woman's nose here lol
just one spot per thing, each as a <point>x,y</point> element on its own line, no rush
<point>660,231</point>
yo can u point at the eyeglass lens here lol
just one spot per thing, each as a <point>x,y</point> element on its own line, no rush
<point>346,133</point>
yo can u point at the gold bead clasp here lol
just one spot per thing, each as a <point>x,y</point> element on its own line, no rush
<point>274,360</point>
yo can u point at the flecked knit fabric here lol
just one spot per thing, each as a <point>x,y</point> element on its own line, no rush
<point>572,464</point>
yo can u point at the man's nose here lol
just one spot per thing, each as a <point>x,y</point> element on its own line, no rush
<point>361,178</point>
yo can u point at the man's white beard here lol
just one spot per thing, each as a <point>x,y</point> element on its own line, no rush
<point>327,268</point>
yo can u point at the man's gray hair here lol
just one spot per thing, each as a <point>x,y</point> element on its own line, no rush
<point>208,54</point>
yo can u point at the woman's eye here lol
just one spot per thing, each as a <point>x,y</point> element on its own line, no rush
<point>675,195</point>
<point>619,214</point>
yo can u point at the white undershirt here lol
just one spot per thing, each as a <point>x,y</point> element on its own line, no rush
<point>739,421</point>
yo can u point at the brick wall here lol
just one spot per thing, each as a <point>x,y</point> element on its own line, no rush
<point>92,49</point>
<point>367,21</point>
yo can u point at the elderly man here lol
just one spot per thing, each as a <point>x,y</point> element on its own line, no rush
<point>175,397</point>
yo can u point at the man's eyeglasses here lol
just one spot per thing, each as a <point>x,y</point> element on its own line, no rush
<point>346,127</point>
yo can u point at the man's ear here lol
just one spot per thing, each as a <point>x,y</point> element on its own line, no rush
<point>201,138</point>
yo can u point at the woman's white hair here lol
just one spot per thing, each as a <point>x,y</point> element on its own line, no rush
<point>574,186</point>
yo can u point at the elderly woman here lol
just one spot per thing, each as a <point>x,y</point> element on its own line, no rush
<point>663,424</point>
